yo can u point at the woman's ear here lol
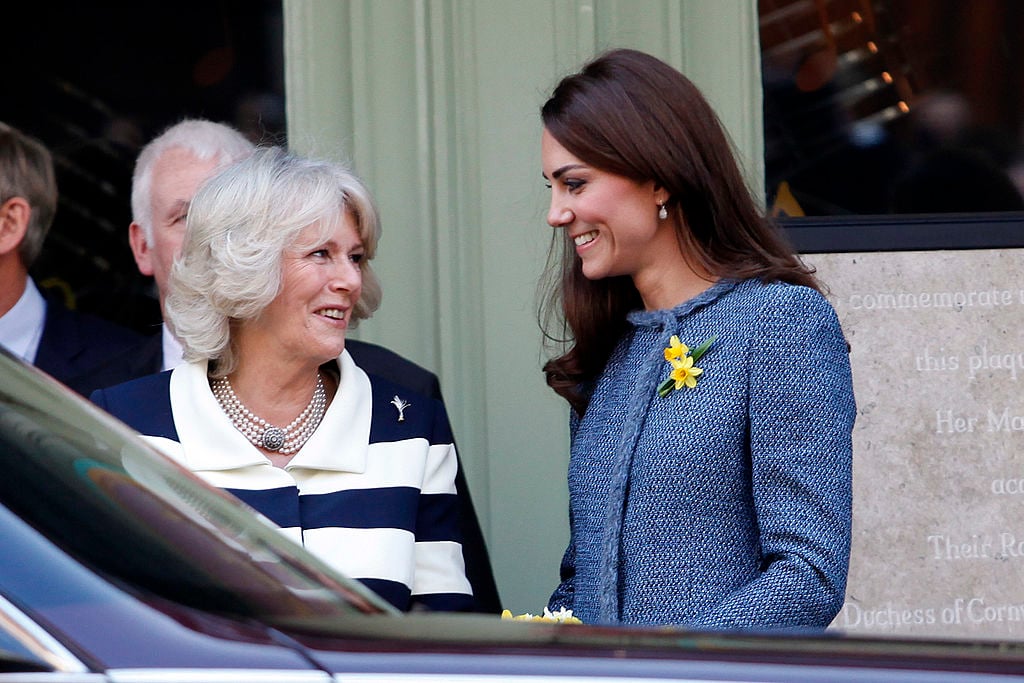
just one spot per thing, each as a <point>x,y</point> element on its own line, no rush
<point>14,216</point>
<point>661,195</point>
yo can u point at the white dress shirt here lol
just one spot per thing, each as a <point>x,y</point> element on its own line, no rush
<point>21,328</point>
<point>171,349</point>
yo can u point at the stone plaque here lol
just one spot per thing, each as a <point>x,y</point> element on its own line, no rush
<point>937,349</point>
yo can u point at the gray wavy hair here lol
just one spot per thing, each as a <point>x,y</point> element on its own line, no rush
<point>205,139</point>
<point>239,225</point>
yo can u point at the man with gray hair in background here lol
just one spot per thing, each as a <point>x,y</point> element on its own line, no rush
<point>41,331</point>
<point>168,171</point>
<point>167,174</point>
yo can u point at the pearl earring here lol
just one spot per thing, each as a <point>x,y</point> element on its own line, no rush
<point>662,212</point>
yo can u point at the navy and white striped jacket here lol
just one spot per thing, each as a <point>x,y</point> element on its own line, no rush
<point>370,494</point>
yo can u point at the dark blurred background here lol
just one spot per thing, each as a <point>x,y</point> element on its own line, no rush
<point>95,81</point>
<point>871,107</point>
<point>893,106</point>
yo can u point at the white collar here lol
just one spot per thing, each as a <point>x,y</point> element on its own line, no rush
<point>21,328</point>
<point>171,349</point>
<point>210,442</point>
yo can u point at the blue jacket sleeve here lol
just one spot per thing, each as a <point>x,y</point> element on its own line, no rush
<point>801,416</point>
<point>564,595</point>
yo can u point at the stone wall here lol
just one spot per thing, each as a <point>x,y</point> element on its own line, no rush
<point>937,348</point>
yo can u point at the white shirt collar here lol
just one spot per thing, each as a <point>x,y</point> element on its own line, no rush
<point>210,442</point>
<point>172,351</point>
<point>21,328</point>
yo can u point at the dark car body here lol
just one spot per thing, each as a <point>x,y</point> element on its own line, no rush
<point>118,565</point>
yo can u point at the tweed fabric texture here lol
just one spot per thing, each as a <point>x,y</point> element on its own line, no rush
<point>729,504</point>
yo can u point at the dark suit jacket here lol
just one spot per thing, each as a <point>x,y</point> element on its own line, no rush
<point>146,358</point>
<point>74,343</point>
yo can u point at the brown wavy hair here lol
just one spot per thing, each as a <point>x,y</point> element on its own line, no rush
<point>630,114</point>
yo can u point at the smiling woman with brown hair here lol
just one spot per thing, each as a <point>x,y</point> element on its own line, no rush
<point>710,471</point>
<point>274,271</point>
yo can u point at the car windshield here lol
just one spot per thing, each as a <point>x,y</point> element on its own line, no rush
<point>87,484</point>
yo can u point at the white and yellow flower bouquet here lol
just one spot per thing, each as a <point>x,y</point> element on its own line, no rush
<point>561,616</point>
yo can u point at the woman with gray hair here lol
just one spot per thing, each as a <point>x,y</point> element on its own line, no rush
<point>274,271</point>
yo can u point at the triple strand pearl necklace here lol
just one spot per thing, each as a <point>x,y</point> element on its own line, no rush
<point>262,434</point>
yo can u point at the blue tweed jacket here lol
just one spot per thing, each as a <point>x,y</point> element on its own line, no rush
<point>725,505</point>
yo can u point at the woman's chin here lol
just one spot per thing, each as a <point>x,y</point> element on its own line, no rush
<point>324,353</point>
<point>593,272</point>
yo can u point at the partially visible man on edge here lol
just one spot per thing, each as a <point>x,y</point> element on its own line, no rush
<point>167,174</point>
<point>41,331</point>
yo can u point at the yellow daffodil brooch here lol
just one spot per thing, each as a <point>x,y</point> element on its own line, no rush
<point>684,372</point>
